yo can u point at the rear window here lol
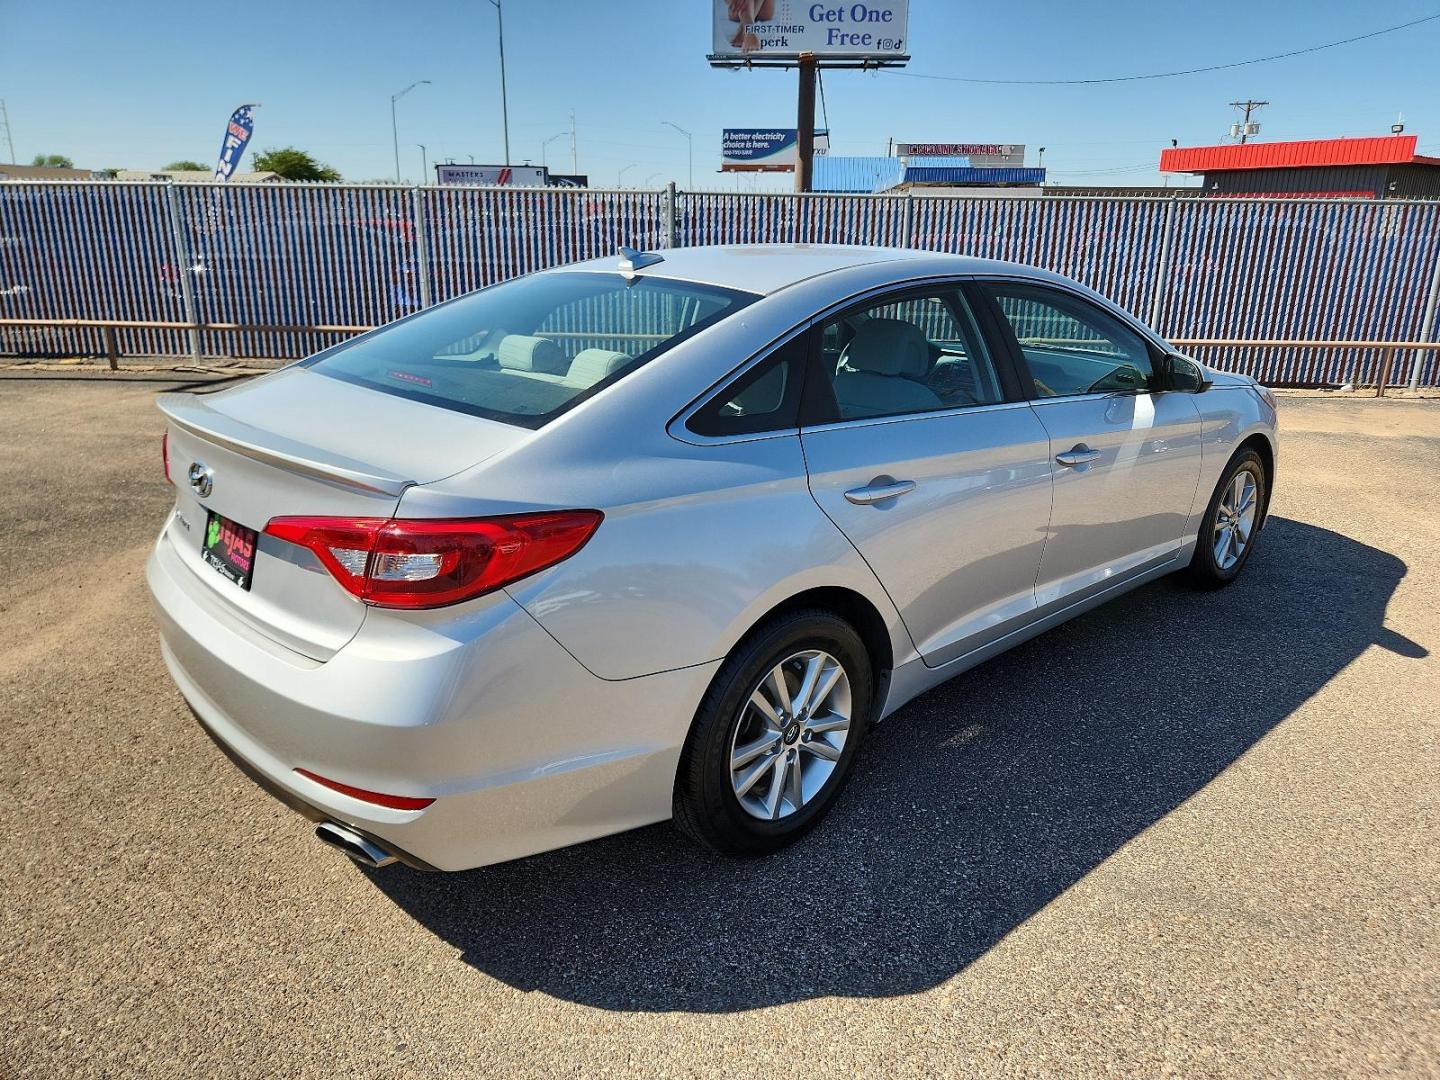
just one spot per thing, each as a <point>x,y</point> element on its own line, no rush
<point>525,351</point>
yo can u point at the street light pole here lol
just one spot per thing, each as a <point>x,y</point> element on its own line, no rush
<point>689,151</point>
<point>546,143</point>
<point>424,165</point>
<point>394,126</point>
<point>620,179</point>
<point>504,97</point>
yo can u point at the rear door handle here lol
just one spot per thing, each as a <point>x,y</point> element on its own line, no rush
<point>874,492</point>
<point>1079,454</point>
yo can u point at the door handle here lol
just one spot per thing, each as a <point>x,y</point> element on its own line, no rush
<point>878,492</point>
<point>1079,454</point>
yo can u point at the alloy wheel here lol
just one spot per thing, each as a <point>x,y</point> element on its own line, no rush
<point>1235,519</point>
<point>790,735</point>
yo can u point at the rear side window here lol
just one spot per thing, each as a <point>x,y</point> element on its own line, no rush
<point>918,353</point>
<point>525,351</point>
<point>765,398</point>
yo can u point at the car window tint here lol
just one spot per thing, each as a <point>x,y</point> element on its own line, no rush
<point>920,353</point>
<point>1071,346</point>
<point>765,398</point>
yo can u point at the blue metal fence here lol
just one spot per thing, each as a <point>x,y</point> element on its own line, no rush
<point>302,255</point>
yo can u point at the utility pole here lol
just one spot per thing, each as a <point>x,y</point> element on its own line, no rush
<point>805,124</point>
<point>504,96</point>
<point>9,136</point>
<point>574,166</point>
<point>1244,127</point>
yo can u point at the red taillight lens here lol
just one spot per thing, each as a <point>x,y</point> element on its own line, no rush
<point>414,563</point>
<point>165,455</point>
<point>394,802</point>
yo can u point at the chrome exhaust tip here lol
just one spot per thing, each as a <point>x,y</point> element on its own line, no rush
<point>363,851</point>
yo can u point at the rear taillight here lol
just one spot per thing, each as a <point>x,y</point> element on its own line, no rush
<point>415,563</point>
<point>165,455</point>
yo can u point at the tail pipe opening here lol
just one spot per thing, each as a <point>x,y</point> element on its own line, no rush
<point>365,852</point>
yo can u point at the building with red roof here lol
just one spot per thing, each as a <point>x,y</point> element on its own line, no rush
<point>1382,167</point>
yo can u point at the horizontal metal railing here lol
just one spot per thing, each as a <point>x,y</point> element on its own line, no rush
<point>108,327</point>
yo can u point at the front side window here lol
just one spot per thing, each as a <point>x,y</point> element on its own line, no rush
<point>1071,346</point>
<point>525,351</point>
<point>920,353</point>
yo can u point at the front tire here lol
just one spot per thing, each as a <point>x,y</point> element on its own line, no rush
<point>1231,524</point>
<point>776,735</point>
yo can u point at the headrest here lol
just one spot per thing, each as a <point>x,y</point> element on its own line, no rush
<point>591,366</point>
<point>889,347</point>
<point>523,352</point>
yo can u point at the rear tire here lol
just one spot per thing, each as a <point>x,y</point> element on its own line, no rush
<point>1232,522</point>
<point>775,738</point>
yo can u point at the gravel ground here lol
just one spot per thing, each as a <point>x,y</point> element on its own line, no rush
<point>1190,835</point>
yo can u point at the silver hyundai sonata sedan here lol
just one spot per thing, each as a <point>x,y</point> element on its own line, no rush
<point>662,535</point>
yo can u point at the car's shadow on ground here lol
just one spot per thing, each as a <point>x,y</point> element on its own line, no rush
<point>972,808</point>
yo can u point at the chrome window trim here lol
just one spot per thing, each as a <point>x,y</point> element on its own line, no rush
<point>902,418</point>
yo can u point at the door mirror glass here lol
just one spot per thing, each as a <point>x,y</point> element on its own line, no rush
<point>1184,375</point>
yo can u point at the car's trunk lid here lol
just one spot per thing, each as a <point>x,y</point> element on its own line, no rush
<point>301,444</point>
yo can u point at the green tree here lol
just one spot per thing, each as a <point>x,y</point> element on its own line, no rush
<point>293,164</point>
<point>185,165</point>
<point>53,161</point>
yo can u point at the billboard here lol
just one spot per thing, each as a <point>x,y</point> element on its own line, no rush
<point>764,149</point>
<point>492,175</point>
<point>979,153</point>
<point>760,30</point>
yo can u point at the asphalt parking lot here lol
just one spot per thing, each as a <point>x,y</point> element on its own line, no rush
<point>1189,834</point>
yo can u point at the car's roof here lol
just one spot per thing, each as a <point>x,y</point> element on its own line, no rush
<point>767,268</point>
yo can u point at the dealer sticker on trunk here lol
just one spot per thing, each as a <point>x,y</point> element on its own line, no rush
<point>230,548</point>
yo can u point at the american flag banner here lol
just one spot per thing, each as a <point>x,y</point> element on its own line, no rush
<point>237,137</point>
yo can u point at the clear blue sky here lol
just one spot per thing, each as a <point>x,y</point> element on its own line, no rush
<point>138,83</point>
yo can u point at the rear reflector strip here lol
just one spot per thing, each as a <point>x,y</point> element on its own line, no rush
<point>394,802</point>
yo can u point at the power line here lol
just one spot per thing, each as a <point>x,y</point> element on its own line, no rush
<point>1171,74</point>
<point>824,112</point>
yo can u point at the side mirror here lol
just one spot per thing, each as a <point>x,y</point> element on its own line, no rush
<point>1184,375</point>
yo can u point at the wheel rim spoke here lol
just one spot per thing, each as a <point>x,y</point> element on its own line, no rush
<point>821,749</point>
<point>778,690</point>
<point>777,786</point>
<point>1222,545</point>
<point>795,788</point>
<point>807,683</point>
<point>829,722</point>
<point>822,689</point>
<point>762,705</point>
<point>750,751</point>
<point>744,783</point>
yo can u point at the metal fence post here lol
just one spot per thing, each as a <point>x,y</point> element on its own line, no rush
<point>1162,266</point>
<point>1427,327</point>
<point>672,220</point>
<point>182,271</point>
<point>908,227</point>
<point>422,244</point>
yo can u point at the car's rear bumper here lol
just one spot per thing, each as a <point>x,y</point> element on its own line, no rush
<point>477,707</point>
